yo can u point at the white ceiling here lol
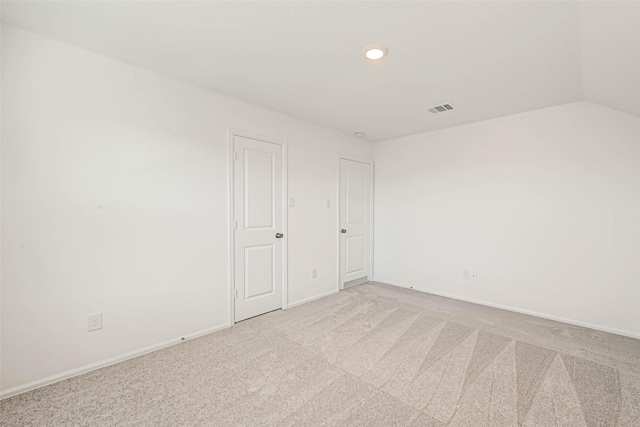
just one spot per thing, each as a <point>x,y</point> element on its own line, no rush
<point>489,59</point>
<point>610,41</point>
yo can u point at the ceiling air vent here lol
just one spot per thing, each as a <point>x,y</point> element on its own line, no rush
<point>440,108</point>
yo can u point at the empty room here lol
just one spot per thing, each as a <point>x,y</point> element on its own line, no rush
<point>322,213</point>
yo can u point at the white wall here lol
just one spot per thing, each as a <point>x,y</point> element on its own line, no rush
<point>544,205</point>
<point>114,200</point>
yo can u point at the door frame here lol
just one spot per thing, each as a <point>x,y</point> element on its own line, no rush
<point>339,284</point>
<point>231,215</point>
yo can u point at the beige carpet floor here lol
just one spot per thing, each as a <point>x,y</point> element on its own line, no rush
<point>372,355</point>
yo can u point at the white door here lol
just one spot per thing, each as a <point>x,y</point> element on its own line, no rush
<point>355,222</point>
<point>259,221</point>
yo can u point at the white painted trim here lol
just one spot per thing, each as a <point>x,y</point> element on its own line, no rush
<point>515,310</point>
<point>313,298</point>
<point>231,242</point>
<point>285,225</point>
<point>337,205</point>
<point>340,285</point>
<point>355,159</point>
<point>231,209</point>
<point>373,218</point>
<point>107,362</point>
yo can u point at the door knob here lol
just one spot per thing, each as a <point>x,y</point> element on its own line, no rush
<point>279,235</point>
<point>343,231</point>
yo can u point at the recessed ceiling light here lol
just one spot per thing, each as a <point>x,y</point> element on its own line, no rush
<point>375,52</point>
<point>360,134</point>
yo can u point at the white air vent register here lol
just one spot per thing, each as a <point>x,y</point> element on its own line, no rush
<point>441,108</point>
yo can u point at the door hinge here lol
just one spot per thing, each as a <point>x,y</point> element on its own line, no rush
<point>235,155</point>
<point>236,294</point>
<point>235,225</point>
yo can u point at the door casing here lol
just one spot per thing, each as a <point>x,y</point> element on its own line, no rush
<point>231,209</point>
<point>339,284</point>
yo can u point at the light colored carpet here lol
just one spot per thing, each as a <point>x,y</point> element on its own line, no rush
<point>372,355</point>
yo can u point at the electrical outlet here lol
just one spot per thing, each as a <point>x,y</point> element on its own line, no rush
<point>314,273</point>
<point>292,202</point>
<point>474,275</point>
<point>95,322</point>
<point>466,275</point>
<point>328,203</point>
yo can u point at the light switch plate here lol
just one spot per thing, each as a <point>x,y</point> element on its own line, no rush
<point>95,322</point>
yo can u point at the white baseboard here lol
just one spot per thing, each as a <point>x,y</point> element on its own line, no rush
<point>130,355</point>
<point>103,363</point>
<point>313,298</point>
<point>515,310</point>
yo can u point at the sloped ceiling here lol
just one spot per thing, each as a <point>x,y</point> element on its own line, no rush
<point>489,59</point>
<point>610,42</point>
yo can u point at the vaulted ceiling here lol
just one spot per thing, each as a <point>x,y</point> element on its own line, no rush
<point>488,59</point>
